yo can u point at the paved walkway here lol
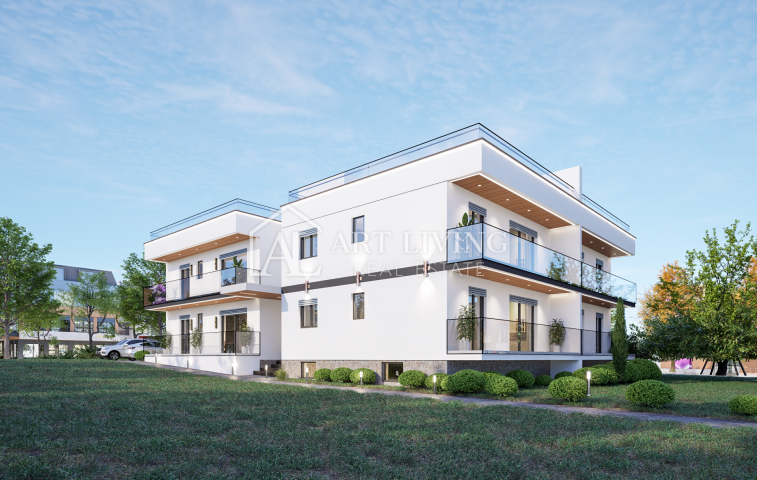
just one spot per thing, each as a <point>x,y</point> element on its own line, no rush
<point>479,401</point>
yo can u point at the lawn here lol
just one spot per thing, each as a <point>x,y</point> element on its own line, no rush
<point>100,419</point>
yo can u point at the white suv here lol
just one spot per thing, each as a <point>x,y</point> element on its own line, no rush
<point>149,346</point>
<point>114,352</point>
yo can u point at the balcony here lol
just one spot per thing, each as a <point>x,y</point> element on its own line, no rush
<point>218,286</point>
<point>211,343</point>
<point>497,336</point>
<point>484,242</point>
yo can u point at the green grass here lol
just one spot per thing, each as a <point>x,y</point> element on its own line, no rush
<point>98,419</point>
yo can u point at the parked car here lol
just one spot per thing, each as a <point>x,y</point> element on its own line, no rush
<point>150,346</point>
<point>114,352</point>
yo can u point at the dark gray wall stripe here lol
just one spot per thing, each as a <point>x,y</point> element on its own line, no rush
<point>184,317</point>
<point>182,267</point>
<point>235,311</point>
<point>308,232</point>
<point>476,208</point>
<point>479,292</point>
<point>523,300</point>
<point>524,229</point>
<point>235,253</point>
<point>309,301</point>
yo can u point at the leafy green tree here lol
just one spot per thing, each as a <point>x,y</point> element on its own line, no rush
<point>619,344</point>
<point>108,306</point>
<point>669,338</point>
<point>26,279</point>
<point>140,273</point>
<point>89,294</point>
<point>39,325</point>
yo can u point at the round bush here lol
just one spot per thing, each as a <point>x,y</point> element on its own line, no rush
<point>568,388</point>
<point>563,374</point>
<point>369,376</point>
<point>543,381</point>
<point>466,381</point>
<point>651,393</point>
<point>323,374</point>
<point>633,374</point>
<point>502,386</point>
<point>599,376</point>
<point>649,369</point>
<point>281,374</point>
<point>488,376</point>
<point>444,383</point>
<point>524,378</point>
<point>341,374</point>
<point>140,356</point>
<point>439,378</point>
<point>610,369</point>
<point>744,404</point>
<point>412,378</point>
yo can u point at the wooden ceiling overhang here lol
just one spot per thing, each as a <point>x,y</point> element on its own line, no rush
<point>504,197</point>
<point>193,303</point>
<point>589,240</point>
<point>203,247</point>
<point>598,302</point>
<point>513,280</point>
<point>247,294</point>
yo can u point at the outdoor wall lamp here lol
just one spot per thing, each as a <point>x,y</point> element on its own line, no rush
<point>358,278</point>
<point>361,378</point>
<point>434,384</point>
<point>307,286</point>
<point>588,383</point>
<point>425,268</point>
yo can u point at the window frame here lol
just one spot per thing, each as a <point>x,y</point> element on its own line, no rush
<point>355,307</point>
<point>313,316</point>
<point>199,269</point>
<point>312,242</point>
<point>355,233</point>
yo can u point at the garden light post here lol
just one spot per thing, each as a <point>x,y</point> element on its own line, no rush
<point>233,364</point>
<point>266,371</point>
<point>307,378</point>
<point>361,378</point>
<point>434,384</point>
<point>588,383</point>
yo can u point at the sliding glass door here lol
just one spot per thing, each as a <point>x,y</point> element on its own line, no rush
<point>522,318</point>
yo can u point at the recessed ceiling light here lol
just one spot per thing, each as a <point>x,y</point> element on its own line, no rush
<point>479,185</point>
<point>507,199</point>
<point>529,210</point>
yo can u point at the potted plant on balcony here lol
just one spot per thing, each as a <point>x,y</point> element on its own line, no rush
<point>195,340</point>
<point>556,335</point>
<point>245,337</point>
<point>166,342</point>
<point>467,324</point>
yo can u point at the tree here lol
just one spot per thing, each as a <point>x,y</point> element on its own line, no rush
<point>467,324</point>
<point>108,306</point>
<point>88,295</point>
<point>668,339</point>
<point>26,279</point>
<point>673,293</point>
<point>619,343</point>
<point>39,325</point>
<point>140,273</point>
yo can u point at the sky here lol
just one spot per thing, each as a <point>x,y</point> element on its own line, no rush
<point>118,118</point>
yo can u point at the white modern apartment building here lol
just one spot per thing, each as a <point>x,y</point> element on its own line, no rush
<point>378,268</point>
<point>222,294</point>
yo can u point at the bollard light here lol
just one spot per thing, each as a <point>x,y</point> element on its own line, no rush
<point>361,378</point>
<point>306,375</point>
<point>233,364</point>
<point>434,384</point>
<point>266,371</point>
<point>588,383</point>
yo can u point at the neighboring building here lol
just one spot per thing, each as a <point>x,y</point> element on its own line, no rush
<point>74,330</point>
<point>383,268</point>
<point>222,294</point>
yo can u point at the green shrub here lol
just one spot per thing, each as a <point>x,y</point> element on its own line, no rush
<point>651,393</point>
<point>369,376</point>
<point>488,376</point>
<point>341,374</point>
<point>649,369</point>
<point>444,383</point>
<point>744,404</point>
<point>68,355</point>
<point>599,376</point>
<point>466,381</point>
<point>543,381</point>
<point>633,374</point>
<point>439,378</point>
<point>86,352</point>
<point>412,378</point>
<point>323,374</point>
<point>502,386</point>
<point>524,378</point>
<point>610,369</point>
<point>140,356</point>
<point>563,374</point>
<point>568,388</point>
<point>281,374</point>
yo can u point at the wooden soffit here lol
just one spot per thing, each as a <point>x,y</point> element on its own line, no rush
<point>247,294</point>
<point>513,280</point>
<point>203,247</point>
<point>198,303</point>
<point>597,302</point>
<point>589,240</point>
<point>504,197</point>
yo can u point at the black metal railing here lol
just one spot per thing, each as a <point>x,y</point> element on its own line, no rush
<point>203,343</point>
<point>207,283</point>
<point>483,241</point>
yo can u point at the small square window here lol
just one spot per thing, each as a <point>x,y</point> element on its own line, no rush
<point>308,369</point>
<point>358,306</point>
<point>392,372</point>
<point>199,269</point>
<point>308,316</point>
<point>308,247</point>
<point>358,229</point>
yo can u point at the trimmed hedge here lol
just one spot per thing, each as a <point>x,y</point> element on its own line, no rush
<point>633,374</point>
<point>568,388</point>
<point>651,393</point>
<point>341,374</point>
<point>744,404</point>
<point>543,381</point>
<point>444,383</point>
<point>323,374</point>
<point>140,356</point>
<point>412,378</point>
<point>610,369</point>
<point>466,381</point>
<point>563,374</point>
<point>649,369</point>
<point>369,376</point>
<point>502,386</point>
<point>599,376</point>
<point>488,376</point>
<point>524,378</point>
<point>439,378</point>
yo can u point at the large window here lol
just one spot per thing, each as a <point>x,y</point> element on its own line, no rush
<point>199,269</point>
<point>81,324</point>
<point>358,229</point>
<point>199,322</point>
<point>65,324</point>
<point>308,316</point>
<point>521,327</point>
<point>392,371</point>
<point>104,325</point>
<point>235,333</point>
<point>358,306</point>
<point>309,246</point>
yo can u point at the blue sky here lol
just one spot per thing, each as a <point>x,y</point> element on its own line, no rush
<point>117,118</point>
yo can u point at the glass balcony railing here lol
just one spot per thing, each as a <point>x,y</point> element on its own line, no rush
<point>204,343</point>
<point>199,285</point>
<point>440,144</point>
<point>493,336</point>
<point>485,242</point>
<point>233,205</point>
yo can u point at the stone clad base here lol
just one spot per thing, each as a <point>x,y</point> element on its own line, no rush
<point>429,367</point>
